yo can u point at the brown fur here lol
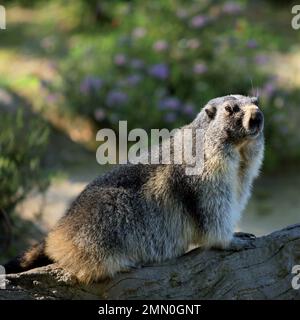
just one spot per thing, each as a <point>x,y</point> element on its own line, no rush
<point>140,214</point>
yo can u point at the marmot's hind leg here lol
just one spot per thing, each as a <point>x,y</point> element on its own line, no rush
<point>83,263</point>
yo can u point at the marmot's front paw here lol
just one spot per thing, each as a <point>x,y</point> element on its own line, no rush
<point>242,241</point>
<point>244,235</point>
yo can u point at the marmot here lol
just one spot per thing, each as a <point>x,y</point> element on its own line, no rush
<point>139,214</point>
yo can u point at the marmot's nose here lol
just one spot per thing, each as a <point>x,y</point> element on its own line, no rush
<point>256,120</point>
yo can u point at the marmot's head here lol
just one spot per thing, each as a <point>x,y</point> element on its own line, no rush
<point>235,117</point>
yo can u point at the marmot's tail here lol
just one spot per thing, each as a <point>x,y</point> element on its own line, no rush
<point>32,258</point>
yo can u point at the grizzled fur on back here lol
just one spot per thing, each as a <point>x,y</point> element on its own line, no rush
<point>139,214</point>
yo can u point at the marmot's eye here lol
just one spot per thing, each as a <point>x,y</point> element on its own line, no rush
<point>236,108</point>
<point>228,108</point>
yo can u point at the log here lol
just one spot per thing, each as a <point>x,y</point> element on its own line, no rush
<point>259,268</point>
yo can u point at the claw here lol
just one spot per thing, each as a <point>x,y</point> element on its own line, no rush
<point>244,235</point>
<point>242,241</point>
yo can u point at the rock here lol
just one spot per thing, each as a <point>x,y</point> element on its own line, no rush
<point>258,268</point>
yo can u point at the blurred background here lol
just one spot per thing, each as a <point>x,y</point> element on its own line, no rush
<point>69,68</point>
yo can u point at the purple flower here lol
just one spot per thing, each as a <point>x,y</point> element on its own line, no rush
<point>252,44</point>
<point>160,45</point>
<point>139,32</point>
<point>116,97</point>
<point>232,7</point>
<point>137,64</point>
<point>52,98</point>
<point>198,21</point>
<point>189,109</point>
<point>170,117</point>
<point>269,88</point>
<point>99,114</point>
<point>170,103</point>
<point>159,71</point>
<point>90,83</point>
<point>120,59</point>
<point>133,79</point>
<point>199,68</point>
<point>193,43</point>
<point>261,59</point>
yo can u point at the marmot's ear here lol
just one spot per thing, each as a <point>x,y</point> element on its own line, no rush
<point>255,101</point>
<point>210,111</point>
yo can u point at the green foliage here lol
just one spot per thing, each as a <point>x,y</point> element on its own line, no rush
<point>22,144</point>
<point>158,62</point>
<point>25,3</point>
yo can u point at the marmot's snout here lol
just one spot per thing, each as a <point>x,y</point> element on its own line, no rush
<point>256,121</point>
<point>253,121</point>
